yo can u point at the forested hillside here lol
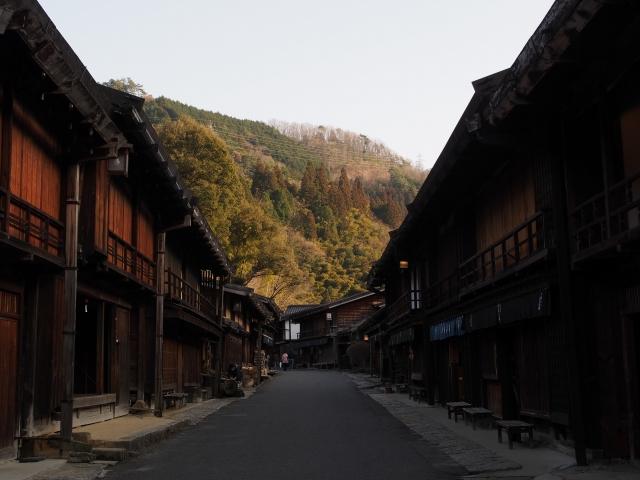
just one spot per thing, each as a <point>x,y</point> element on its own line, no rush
<point>301,210</point>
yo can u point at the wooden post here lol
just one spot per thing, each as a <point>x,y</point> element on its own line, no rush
<point>70,294</point>
<point>605,163</point>
<point>29,355</point>
<point>142,348</point>
<point>627,334</point>
<point>259,352</point>
<point>566,296</point>
<point>159,402</point>
<point>100,350</point>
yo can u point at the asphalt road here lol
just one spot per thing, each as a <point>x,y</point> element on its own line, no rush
<point>302,425</point>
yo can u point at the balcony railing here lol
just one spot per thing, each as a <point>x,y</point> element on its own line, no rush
<point>441,291</point>
<point>24,222</point>
<point>409,302</point>
<point>607,216</point>
<point>519,245</point>
<point>178,290</point>
<point>130,261</point>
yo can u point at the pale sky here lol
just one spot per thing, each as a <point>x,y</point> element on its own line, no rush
<point>398,71</point>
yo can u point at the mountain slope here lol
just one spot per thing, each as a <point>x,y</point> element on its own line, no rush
<point>302,211</point>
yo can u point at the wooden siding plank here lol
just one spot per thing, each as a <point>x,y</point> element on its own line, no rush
<point>508,202</point>
<point>36,177</point>
<point>169,364</point>
<point>101,205</point>
<point>145,233</point>
<point>120,213</point>
<point>9,313</point>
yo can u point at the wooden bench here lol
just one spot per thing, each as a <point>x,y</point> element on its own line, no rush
<point>474,414</point>
<point>456,409</point>
<point>417,391</point>
<point>513,428</point>
<point>175,399</point>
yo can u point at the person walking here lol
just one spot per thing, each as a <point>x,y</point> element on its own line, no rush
<point>285,361</point>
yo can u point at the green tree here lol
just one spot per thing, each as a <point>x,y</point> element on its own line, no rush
<point>126,85</point>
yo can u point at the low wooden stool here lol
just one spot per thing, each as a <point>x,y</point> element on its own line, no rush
<point>456,409</point>
<point>475,413</point>
<point>512,427</point>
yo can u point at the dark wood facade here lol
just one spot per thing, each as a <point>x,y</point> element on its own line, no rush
<point>88,201</point>
<point>250,322</point>
<point>325,330</point>
<point>511,283</point>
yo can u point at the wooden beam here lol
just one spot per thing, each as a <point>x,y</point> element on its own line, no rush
<point>566,297</point>
<point>103,296</point>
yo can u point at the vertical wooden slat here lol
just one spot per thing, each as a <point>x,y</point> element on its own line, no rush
<point>9,317</point>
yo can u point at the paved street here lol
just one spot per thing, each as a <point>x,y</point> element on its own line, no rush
<point>302,424</point>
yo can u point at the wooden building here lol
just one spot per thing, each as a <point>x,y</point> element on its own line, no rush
<point>102,252</point>
<point>511,283</point>
<point>250,323</point>
<point>325,330</point>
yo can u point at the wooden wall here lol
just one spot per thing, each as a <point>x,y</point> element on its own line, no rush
<point>35,175</point>
<point>447,259</point>
<point>504,203</point>
<point>232,351</point>
<point>191,365</point>
<point>169,364</point>
<point>10,310</point>
<point>100,182</point>
<point>120,367</point>
<point>145,235</point>
<point>181,364</point>
<point>353,312</point>
<point>49,381</point>
<point>630,131</point>
<point>120,221</point>
<point>532,363</point>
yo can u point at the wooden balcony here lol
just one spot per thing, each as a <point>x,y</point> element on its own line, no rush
<point>442,291</point>
<point>518,248</point>
<point>408,303</point>
<point>181,292</point>
<point>23,222</point>
<point>129,261</point>
<point>606,219</point>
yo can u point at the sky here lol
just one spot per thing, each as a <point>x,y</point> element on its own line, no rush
<point>397,71</point>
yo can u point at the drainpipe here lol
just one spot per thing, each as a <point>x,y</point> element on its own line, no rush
<point>70,297</point>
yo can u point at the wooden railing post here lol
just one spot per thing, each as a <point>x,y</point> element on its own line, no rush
<point>70,298</point>
<point>159,401</point>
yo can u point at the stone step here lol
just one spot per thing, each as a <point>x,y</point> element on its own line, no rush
<point>110,453</point>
